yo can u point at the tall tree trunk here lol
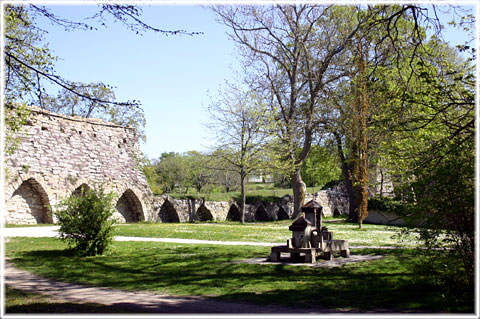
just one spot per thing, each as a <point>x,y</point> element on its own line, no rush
<point>299,191</point>
<point>243,195</point>
<point>360,138</point>
<point>348,179</point>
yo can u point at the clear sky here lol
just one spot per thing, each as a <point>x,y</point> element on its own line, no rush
<point>170,75</point>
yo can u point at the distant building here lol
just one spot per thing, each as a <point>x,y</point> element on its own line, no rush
<point>260,178</point>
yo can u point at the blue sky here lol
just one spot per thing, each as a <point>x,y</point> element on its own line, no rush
<point>170,75</point>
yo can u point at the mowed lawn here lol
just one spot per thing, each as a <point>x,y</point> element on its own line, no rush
<point>393,283</point>
<point>270,232</point>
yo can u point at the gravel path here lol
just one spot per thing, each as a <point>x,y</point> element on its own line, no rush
<point>52,231</point>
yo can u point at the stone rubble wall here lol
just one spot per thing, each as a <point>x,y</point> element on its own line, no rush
<point>57,154</point>
<point>168,209</point>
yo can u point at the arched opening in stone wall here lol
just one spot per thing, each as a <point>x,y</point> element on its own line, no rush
<point>28,205</point>
<point>130,207</point>
<point>168,213</point>
<point>261,214</point>
<point>80,190</point>
<point>282,214</point>
<point>234,214</point>
<point>204,214</point>
<point>336,212</point>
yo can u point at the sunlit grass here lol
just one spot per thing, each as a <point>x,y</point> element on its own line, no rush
<point>272,232</point>
<point>181,269</point>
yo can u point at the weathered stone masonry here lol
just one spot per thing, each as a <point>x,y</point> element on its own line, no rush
<point>58,155</point>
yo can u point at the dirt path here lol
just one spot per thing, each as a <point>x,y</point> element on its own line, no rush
<point>136,301</point>
<point>52,231</point>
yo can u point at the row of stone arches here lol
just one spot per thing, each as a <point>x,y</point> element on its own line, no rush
<point>168,213</point>
<point>175,211</point>
<point>260,214</point>
<point>30,204</point>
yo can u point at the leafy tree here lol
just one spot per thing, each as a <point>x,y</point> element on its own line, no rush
<point>290,53</point>
<point>171,171</point>
<point>320,167</point>
<point>85,221</point>
<point>199,170</point>
<point>432,146</point>
<point>239,128</point>
<point>150,173</point>
<point>24,55</point>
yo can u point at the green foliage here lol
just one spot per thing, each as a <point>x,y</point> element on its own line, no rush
<point>24,54</point>
<point>320,167</point>
<point>29,71</point>
<point>15,117</point>
<point>387,204</point>
<point>430,148</point>
<point>150,173</point>
<point>85,221</point>
<point>445,199</point>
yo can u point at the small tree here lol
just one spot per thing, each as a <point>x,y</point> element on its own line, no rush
<point>239,125</point>
<point>85,221</point>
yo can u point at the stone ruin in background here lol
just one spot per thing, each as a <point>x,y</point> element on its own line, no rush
<point>59,155</point>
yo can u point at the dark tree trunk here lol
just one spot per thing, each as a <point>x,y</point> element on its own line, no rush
<point>348,180</point>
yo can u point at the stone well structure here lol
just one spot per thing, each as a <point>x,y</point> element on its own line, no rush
<point>57,155</point>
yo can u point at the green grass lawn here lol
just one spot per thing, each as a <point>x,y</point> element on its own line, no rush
<point>277,232</point>
<point>392,283</point>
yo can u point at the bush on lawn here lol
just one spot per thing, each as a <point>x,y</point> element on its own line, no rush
<point>85,221</point>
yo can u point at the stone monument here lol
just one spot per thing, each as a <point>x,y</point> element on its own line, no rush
<point>310,238</point>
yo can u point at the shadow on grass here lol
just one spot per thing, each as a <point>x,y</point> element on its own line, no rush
<point>390,283</point>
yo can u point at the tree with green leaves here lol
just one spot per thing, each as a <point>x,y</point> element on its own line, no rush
<point>172,171</point>
<point>321,166</point>
<point>237,120</point>
<point>291,53</point>
<point>431,148</point>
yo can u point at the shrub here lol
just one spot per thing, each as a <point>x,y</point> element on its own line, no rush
<point>85,221</point>
<point>387,204</point>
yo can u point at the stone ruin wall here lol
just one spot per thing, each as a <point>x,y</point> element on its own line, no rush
<point>168,209</point>
<point>58,155</point>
